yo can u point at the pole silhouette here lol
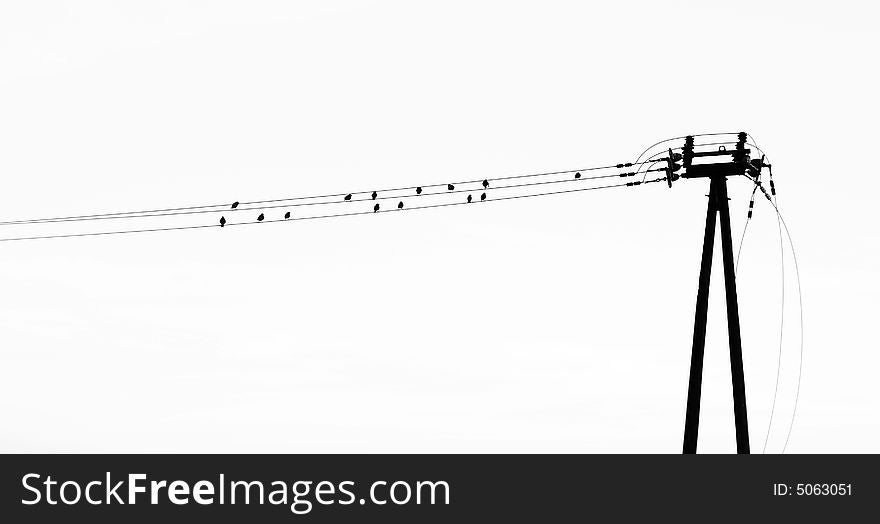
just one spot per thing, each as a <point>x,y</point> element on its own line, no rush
<point>717,207</point>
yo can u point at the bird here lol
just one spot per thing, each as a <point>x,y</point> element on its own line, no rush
<point>450,187</point>
<point>375,195</point>
<point>347,197</point>
<point>375,208</point>
<point>418,191</point>
<point>261,217</point>
<point>577,175</point>
<point>235,204</point>
<point>470,199</point>
<point>287,215</point>
<point>482,197</point>
<point>485,184</point>
<point>400,205</point>
<point>222,221</point>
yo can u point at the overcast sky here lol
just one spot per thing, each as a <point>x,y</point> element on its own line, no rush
<point>558,324</point>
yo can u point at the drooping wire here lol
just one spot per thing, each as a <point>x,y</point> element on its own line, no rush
<point>781,319</point>
<point>334,215</point>
<point>775,202</point>
<point>801,358</point>
<point>801,316</point>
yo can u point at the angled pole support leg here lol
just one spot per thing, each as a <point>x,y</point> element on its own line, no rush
<point>733,328</point>
<point>692,415</point>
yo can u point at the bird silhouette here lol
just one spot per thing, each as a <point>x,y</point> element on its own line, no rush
<point>482,197</point>
<point>450,187</point>
<point>375,208</point>
<point>375,195</point>
<point>235,204</point>
<point>287,215</point>
<point>222,221</point>
<point>347,197</point>
<point>485,184</point>
<point>418,191</point>
<point>261,217</point>
<point>577,175</point>
<point>400,205</point>
<point>470,199</point>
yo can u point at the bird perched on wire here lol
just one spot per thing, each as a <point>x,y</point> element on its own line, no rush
<point>400,205</point>
<point>485,184</point>
<point>222,221</point>
<point>376,208</point>
<point>261,217</point>
<point>577,175</point>
<point>418,191</point>
<point>235,204</point>
<point>482,197</point>
<point>450,187</point>
<point>287,215</point>
<point>347,197</point>
<point>375,195</point>
<point>470,199</point>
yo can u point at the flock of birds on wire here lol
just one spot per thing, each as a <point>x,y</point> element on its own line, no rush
<point>379,201</point>
<point>374,195</point>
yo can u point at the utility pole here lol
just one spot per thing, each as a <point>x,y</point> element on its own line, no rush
<point>717,173</point>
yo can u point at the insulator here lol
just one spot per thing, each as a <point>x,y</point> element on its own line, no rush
<point>687,152</point>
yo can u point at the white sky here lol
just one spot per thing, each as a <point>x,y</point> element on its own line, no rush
<point>560,324</point>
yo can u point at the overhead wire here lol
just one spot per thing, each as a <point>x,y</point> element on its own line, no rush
<point>334,215</point>
<point>211,208</point>
<point>295,201</point>
<point>345,202</point>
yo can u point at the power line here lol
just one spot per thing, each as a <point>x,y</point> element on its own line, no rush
<point>194,211</point>
<point>210,208</point>
<point>334,215</point>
